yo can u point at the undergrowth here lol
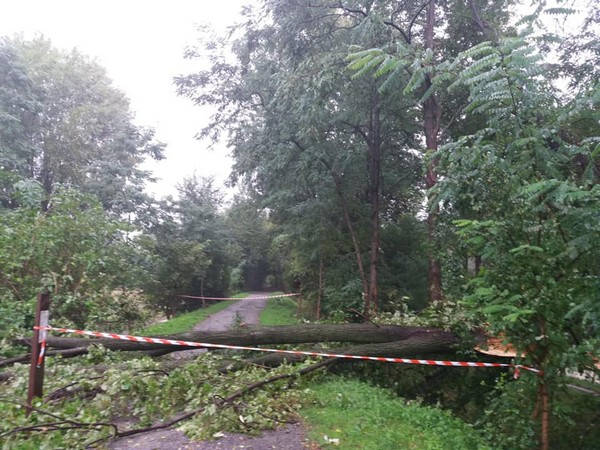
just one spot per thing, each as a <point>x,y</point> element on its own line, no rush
<point>86,394</point>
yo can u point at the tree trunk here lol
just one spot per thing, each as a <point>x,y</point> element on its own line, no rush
<point>375,193</point>
<point>289,334</point>
<point>431,118</point>
<point>353,236</point>
<point>320,292</point>
<point>544,402</point>
<point>412,346</point>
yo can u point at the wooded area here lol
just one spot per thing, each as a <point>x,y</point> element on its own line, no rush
<point>428,168</point>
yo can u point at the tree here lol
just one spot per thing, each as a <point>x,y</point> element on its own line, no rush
<point>252,233</point>
<point>198,211</point>
<point>190,243</point>
<point>406,54</point>
<point>18,111</point>
<point>178,264</point>
<point>537,203</point>
<point>74,249</point>
<point>302,131</point>
<point>68,125</point>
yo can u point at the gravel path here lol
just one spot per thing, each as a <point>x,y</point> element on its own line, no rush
<point>245,310</point>
<point>292,437</point>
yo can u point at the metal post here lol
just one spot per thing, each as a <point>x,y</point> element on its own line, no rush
<point>36,370</point>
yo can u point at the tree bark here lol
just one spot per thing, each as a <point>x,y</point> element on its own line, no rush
<point>544,403</point>
<point>371,302</point>
<point>320,291</point>
<point>431,117</point>
<point>438,342</point>
<point>289,334</point>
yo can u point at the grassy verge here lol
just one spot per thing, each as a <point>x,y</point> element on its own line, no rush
<point>279,311</point>
<point>185,322</point>
<point>350,414</point>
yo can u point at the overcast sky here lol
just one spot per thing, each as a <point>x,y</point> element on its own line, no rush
<point>140,43</point>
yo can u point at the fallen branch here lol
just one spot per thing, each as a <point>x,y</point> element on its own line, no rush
<point>66,353</point>
<point>225,401</point>
<point>61,424</point>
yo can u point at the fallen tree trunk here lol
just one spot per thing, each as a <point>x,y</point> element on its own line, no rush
<point>252,336</point>
<point>402,341</point>
<point>441,342</point>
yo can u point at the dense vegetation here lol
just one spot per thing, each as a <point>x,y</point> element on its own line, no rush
<point>433,163</point>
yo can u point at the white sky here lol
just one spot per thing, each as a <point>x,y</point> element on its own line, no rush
<point>140,43</point>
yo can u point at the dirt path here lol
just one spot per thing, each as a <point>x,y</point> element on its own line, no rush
<point>292,437</point>
<point>246,310</point>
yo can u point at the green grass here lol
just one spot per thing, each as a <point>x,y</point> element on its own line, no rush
<point>279,311</point>
<point>185,322</point>
<point>361,416</point>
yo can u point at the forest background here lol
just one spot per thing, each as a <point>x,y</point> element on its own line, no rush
<point>437,160</point>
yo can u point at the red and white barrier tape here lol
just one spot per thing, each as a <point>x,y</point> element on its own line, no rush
<point>151,340</point>
<point>42,352</point>
<point>238,298</point>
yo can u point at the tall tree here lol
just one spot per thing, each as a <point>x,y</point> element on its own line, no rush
<point>301,129</point>
<point>70,125</point>
<point>199,211</point>
<point>425,34</point>
<point>533,169</point>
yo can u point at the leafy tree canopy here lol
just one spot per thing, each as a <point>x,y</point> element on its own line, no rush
<point>63,122</point>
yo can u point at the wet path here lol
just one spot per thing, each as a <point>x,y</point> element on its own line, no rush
<point>292,437</point>
<point>245,311</point>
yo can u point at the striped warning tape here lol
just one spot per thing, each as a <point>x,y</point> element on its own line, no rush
<point>151,340</point>
<point>238,298</point>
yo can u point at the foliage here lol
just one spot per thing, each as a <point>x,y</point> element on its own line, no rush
<point>521,185</point>
<point>327,155</point>
<point>527,191</point>
<point>140,389</point>
<point>576,412</point>
<point>83,256</point>
<point>361,416</point>
<point>252,233</point>
<point>191,247</point>
<point>58,107</point>
<point>175,265</point>
<point>200,220</point>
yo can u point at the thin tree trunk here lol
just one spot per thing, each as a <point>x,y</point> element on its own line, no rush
<point>354,237</point>
<point>544,403</point>
<point>375,188</point>
<point>320,291</point>
<point>202,291</point>
<point>431,118</point>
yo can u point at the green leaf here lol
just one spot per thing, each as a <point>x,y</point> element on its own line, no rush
<point>524,247</point>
